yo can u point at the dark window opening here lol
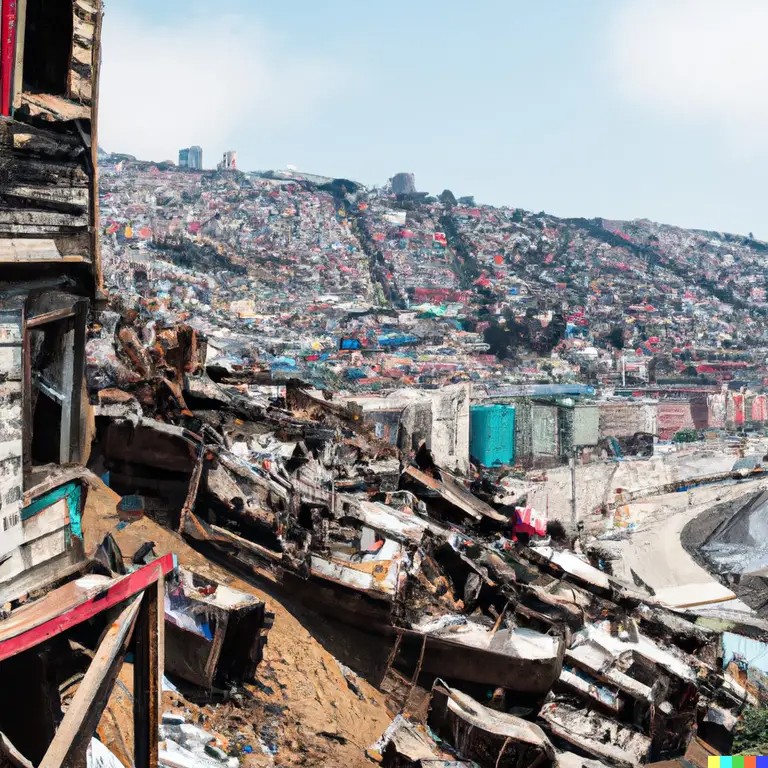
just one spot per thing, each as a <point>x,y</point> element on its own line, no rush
<point>51,387</point>
<point>46,429</point>
<point>47,46</point>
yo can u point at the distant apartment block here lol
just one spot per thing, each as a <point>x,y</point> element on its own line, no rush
<point>191,157</point>
<point>228,161</point>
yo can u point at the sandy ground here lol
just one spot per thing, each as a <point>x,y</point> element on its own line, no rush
<point>301,704</point>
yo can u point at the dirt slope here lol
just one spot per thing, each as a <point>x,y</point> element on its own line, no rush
<point>301,704</point>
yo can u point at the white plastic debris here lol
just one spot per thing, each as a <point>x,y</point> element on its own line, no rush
<point>99,756</point>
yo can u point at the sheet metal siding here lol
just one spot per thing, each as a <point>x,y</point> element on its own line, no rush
<point>492,434</point>
<point>523,448</point>
<point>586,426</point>
<point>544,432</point>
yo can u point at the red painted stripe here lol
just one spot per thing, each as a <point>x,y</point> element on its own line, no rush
<point>115,593</point>
<point>7,54</point>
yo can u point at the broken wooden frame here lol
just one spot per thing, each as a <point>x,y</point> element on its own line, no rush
<point>138,627</point>
<point>56,321</point>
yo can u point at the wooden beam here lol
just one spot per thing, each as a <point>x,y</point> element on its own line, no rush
<point>34,218</point>
<point>95,214</point>
<point>44,144</point>
<point>78,383</point>
<point>51,317</point>
<point>91,698</point>
<point>29,249</point>
<point>68,386</point>
<point>146,684</point>
<point>18,72</point>
<point>37,622</point>
<point>26,404</point>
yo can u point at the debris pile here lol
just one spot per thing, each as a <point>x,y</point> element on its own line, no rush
<point>300,494</point>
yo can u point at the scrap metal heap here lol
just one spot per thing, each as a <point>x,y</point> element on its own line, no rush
<point>296,490</point>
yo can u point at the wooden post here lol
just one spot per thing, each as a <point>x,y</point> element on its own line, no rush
<point>85,710</point>
<point>160,640</point>
<point>18,71</point>
<point>78,375</point>
<point>145,682</point>
<point>94,213</point>
<point>26,400</point>
<point>67,390</point>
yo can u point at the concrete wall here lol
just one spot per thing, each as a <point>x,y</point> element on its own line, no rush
<point>437,418</point>
<point>624,419</point>
<point>449,441</point>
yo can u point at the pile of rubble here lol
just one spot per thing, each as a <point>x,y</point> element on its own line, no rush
<point>531,652</point>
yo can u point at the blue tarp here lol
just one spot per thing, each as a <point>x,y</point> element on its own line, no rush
<point>397,341</point>
<point>283,362</point>
<point>349,344</point>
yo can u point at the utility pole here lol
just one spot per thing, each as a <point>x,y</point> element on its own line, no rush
<point>572,462</point>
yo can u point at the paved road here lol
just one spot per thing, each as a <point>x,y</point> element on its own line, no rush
<point>654,550</point>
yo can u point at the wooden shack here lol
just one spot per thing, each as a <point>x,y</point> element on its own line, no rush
<point>50,273</point>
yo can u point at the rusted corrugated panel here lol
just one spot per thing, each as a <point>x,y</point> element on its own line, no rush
<point>544,430</point>
<point>674,416</point>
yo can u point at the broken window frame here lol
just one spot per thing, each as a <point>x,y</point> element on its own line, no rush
<point>74,309</point>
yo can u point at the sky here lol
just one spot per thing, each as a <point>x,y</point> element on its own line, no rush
<point>616,108</point>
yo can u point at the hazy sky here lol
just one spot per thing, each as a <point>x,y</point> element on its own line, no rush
<point>615,108</point>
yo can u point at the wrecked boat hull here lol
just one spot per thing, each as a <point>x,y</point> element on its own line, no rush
<point>485,736</point>
<point>456,661</point>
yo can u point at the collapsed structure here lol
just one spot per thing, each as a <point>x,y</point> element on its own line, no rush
<point>300,492</point>
<point>51,274</point>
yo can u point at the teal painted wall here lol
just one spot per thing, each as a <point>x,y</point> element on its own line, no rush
<point>72,492</point>
<point>492,434</point>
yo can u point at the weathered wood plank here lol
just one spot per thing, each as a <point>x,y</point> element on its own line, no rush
<point>47,145</point>
<point>41,218</point>
<point>28,249</point>
<point>23,230</point>
<point>86,7</point>
<point>79,87</point>
<point>84,25</point>
<point>82,52</point>
<point>91,698</point>
<point>146,682</point>
<point>54,108</point>
<point>16,168</point>
<point>74,197</point>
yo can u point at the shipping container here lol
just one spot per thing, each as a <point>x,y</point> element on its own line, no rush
<point>492,434</point>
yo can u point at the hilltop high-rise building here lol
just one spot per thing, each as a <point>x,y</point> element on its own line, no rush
<point>228,161</point>
<point>196,158</point>
<point>191,157</point>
